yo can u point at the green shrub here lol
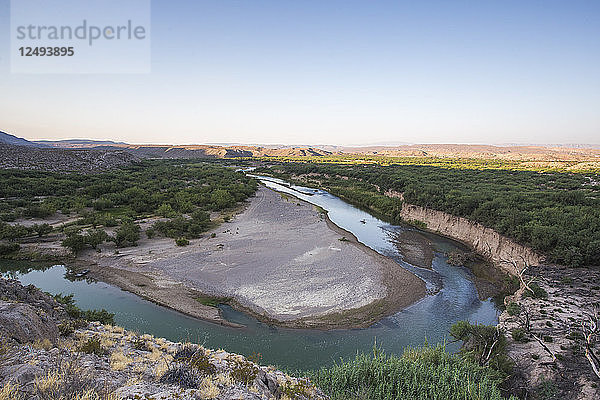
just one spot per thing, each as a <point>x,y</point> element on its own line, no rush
<point>102,316</point>
<point>182,241</point>
<point>538,292</point>
<point>8,248</point>
<point>484,345</point>
<point>92,346</point>
<point>513,308</point>
<point>519,335</point>
<point>127,234</point>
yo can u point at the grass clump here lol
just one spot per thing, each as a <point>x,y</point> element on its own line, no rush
<point>69,381</point>
<point>181,375</point>
<point>92,346</point>
<point>196,359</point>
<point>424,373</point>
<point>212,301</point>
<point>244,372</point>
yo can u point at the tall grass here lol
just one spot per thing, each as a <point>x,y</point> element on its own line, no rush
<point>426,373</point>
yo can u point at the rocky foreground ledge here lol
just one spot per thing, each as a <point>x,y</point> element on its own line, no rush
<point>46,354</point>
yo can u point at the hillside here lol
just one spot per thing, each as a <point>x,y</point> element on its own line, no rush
<point>62,160</point>
<point>6,138</point>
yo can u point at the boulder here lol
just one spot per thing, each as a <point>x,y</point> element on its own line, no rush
<point>24,323</point>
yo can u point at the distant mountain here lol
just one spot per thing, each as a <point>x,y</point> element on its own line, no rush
<point>6,138</point>
<point>78,143</point>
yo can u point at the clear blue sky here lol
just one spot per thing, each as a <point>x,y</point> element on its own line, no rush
<point>333,72</point>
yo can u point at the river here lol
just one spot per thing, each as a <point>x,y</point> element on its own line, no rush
<point>451,297</point>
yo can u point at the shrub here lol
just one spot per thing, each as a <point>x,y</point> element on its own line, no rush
<point>182,376</point>
<point>538,292</point>
<point>95,237</point>
<point>182,241</point>
<point>75,242</point>
<point>513,308</point>
<point>519,335</point>
<point>102,316</point>
<point>484,345</point>
<point>244,372</point>
<point>150,232</point>
<point>92,346</point>
<point>127,234</point>
<point>196,359</point>
<point>140,344</point>
<point>8,248</point>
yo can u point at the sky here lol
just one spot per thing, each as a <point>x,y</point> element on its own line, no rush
<point>332,72</point>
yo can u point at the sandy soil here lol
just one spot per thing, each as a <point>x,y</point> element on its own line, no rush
<point>280,259</point>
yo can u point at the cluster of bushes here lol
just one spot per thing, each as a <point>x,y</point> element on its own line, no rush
<point>555,213</point>
<point>182,227</point>
<point>183,191</point>
<point>150,187</point>
<point>14,232</point>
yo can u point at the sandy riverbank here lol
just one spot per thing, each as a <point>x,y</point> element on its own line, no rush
<point>280,259</point>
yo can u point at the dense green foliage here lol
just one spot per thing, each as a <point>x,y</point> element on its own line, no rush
<point>426,373</point>
<point>557,214</point>
<point>183,191</point>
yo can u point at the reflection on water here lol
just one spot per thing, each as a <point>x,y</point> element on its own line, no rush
<point>453,297</point>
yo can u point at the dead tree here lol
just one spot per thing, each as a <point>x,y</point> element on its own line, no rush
<point>520,272</point>
<point>590,329</point>
<point>527,324</point>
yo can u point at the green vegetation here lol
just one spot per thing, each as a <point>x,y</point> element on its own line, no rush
<point>538,292</point>
<point>484,345</point>
<point>555,212</point>
<point>102,316</point>
<point>428,372</point>
<point>92,346</point>
<point>183,191</point>
<point>212,301</point>
<point>513,308</point>
<point>519,335</point>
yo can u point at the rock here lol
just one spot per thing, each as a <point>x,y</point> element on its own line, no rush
<point>238,393</point>
<point>24,323</point>
<point>22,373</point>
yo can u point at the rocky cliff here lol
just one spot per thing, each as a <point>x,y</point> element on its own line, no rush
<point>44,354</point>
<point>505,253</point>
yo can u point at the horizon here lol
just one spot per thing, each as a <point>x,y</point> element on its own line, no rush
<point>336,74</point>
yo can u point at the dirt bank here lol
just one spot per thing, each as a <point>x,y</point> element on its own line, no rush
<point>504,252</point>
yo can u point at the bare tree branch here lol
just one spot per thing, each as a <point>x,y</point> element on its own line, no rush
<point>590,330</point>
